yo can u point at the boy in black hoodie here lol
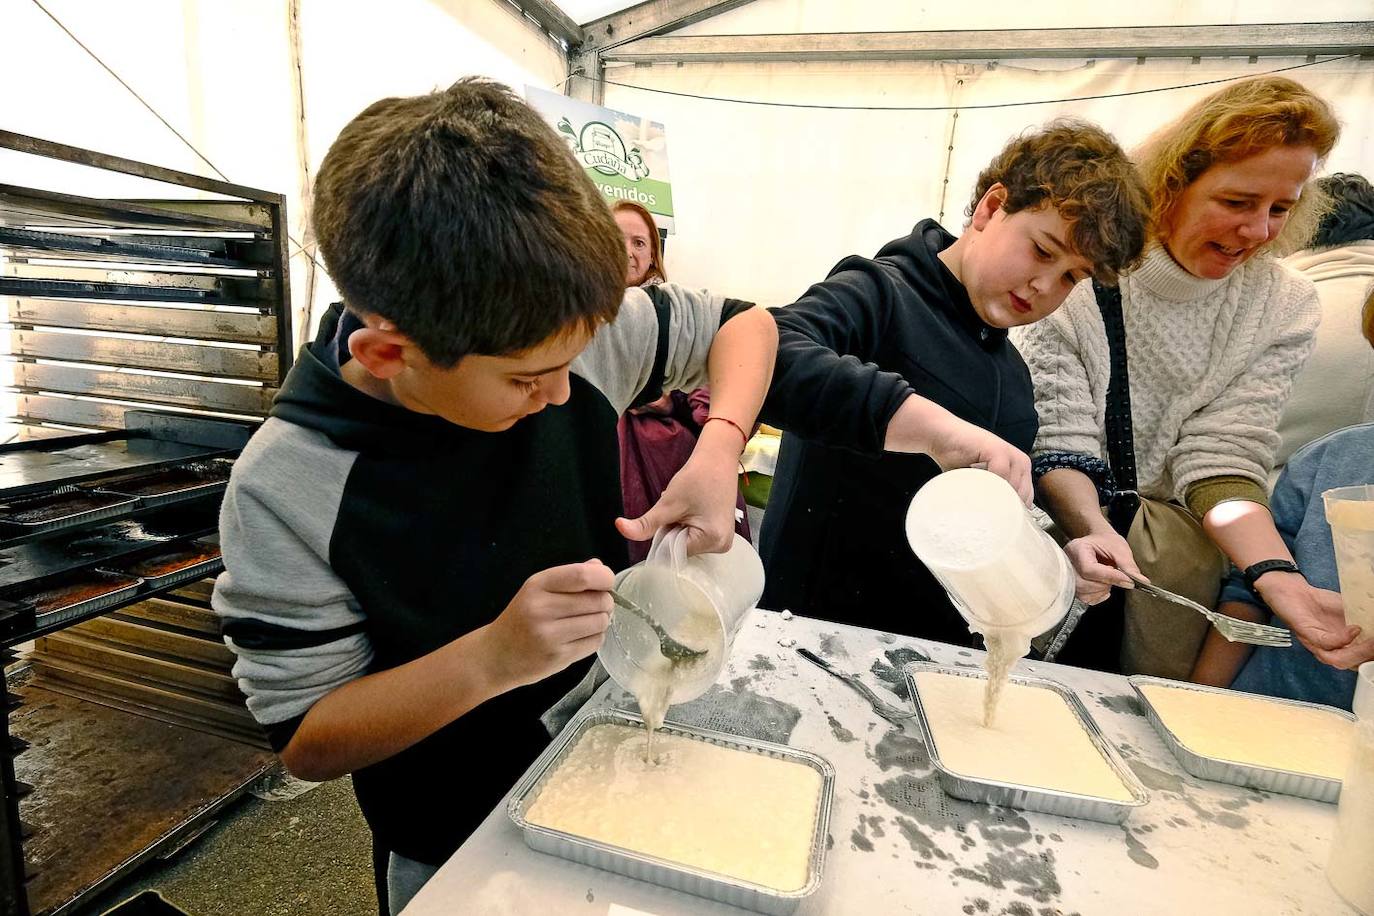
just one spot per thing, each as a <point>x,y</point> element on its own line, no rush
<point>904,357</point>
<point>406,540</point>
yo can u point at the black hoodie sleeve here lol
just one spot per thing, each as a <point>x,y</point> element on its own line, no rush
<point>826,386</point>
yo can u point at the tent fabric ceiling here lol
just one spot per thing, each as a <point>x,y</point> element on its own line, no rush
<point>584,11</point>
<point>766,198</point>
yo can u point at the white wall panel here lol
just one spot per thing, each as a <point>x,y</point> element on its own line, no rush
<point>221,74</point>
<point>768,199</point>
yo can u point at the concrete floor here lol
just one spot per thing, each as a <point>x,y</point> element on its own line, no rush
<point>310,856</point>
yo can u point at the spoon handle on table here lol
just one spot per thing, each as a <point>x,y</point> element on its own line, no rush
<point>886,710</point>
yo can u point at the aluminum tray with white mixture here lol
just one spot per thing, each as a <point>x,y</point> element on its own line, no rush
<point>1027,797</point>
<point>624,861</point>
<point>1271,779</point>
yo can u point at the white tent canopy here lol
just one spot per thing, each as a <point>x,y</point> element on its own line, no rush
<point>767,197</point>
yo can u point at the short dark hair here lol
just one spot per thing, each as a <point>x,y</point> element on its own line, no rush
<point>1081,171</point>
<point>1350,212</point>
<point>461,217</point>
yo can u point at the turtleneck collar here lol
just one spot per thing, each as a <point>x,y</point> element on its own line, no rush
<point>1163,278</point>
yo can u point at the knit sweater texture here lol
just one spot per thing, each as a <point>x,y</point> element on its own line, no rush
<point>1211,364</point>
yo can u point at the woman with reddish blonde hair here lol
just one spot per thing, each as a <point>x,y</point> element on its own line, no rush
<point>1160,399</point>
<point>642,244</point>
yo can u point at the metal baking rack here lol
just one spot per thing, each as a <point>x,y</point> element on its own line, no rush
<point>145,336</point>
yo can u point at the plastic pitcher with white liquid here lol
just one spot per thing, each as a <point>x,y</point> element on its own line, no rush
<point>1003,573</point>
<point>1350,512</point>
<point>701,601</point>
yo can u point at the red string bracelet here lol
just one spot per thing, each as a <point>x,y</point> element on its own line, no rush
<point>742,434</point>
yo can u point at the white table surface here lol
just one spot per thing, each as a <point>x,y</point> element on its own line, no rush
<point>900,845</point>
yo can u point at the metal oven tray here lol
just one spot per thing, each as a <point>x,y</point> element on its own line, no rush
<point>206,567</point>
<point>91,605</point>
<point>661,871</point>
<point>1031,798</point>
<point>215,480</point>
<point>1285,782</point>
<point>118,505</point>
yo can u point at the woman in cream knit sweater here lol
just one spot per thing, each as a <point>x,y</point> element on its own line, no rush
<point>1215,331</point>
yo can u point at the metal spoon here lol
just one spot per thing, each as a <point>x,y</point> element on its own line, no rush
<point>889,712</point>
<point>672,650</point>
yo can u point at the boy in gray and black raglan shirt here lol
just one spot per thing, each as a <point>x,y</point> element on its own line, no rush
<point>406,540</point>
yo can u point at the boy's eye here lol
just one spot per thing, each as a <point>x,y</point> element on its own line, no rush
<point>526,384</point>
<point>1041,253</point>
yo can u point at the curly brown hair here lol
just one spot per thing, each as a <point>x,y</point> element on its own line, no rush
<point>461,217</point>
<point>1234,123</point>
<point>1081,171</point>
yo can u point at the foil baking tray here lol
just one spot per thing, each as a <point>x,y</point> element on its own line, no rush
<point>1025,797</point>
<point>119,588</point>
<point>1248,775</point>
<point>171,485</point>
<point>663,872</point>
<point>202,560</point>
<point>64,508</point>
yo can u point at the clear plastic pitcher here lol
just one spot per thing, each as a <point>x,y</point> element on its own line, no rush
<point>701,601</point>
<point>1350,512</point>
<point>1351,866</point>
<point>1001,570</point>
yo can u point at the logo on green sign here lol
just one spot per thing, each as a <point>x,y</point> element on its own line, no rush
<point>599,147</point>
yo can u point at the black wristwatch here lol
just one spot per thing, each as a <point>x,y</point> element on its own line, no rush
<point>1252,573</point>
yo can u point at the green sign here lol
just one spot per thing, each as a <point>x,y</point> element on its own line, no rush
<point>625,155</point>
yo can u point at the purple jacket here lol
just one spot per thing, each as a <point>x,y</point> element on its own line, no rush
<point>655,442</point>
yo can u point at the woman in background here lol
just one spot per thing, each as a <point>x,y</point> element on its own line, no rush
<point>642,244</point>
<point>1336,387</point>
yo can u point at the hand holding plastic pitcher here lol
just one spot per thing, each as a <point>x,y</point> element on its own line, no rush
<point>699,501</point>
<point>700,600</point>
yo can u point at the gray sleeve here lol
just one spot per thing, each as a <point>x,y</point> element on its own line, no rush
<point>1237,433</point>
<point>620,359</point>
<point>295,626</point>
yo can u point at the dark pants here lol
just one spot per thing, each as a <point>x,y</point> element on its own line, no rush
<point>380,859</point>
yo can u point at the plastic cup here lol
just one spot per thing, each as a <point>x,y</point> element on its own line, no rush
<point>1351,866</point>
<point>1350,512</point>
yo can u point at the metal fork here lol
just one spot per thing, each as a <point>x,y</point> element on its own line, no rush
<point>1235,630</point>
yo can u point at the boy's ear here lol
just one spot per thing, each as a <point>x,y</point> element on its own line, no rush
<point>380,349</point>
<point>988,206</point>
